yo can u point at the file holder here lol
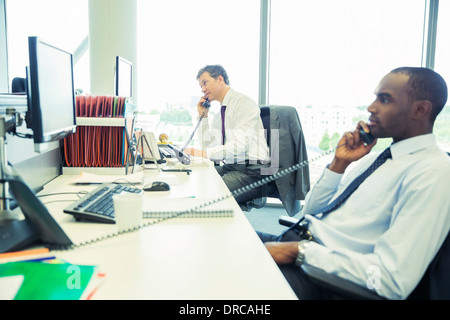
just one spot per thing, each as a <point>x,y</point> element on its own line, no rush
<point>126,123</point>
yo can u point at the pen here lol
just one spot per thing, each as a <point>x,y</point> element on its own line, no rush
<point>177,170</point>
<point>40,259</point>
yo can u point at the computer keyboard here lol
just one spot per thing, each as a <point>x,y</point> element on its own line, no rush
<point>98,204</point>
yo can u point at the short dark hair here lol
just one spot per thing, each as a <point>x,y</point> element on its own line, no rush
<point>426,84</point>
<point>214,71</point>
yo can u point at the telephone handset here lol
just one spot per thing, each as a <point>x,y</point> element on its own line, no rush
<point>206,104</point>
<point>367,138</point>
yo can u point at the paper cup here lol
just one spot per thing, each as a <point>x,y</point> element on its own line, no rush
<point>127,210</point>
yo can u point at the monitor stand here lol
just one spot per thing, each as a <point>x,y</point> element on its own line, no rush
<point>15,234</point>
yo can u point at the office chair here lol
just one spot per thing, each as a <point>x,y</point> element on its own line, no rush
<point>434,285</point>
<point>18,85</point>
<point>287,147</point>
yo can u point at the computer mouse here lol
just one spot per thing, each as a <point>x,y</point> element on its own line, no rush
<point>157,186</point>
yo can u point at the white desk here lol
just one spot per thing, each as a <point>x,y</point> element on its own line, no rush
<point>181,258</point>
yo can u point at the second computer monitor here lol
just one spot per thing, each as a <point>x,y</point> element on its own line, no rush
<point>123,78</point>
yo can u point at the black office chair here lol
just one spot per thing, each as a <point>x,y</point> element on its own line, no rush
<point>19,85</point>
<point>287,147</point>
<point>434,285</point>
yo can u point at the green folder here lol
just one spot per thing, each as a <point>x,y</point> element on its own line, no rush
<point>49,281</point>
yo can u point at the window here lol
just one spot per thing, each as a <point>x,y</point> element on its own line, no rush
<point>442,66</point>
<point>64,23</point>
<point>328,56</point>
<point>175,39</point>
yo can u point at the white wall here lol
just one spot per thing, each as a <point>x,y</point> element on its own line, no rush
<point>112,32</point>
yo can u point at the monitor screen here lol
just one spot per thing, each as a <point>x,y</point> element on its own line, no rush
<point>124,78</point>
<point>51,95</point>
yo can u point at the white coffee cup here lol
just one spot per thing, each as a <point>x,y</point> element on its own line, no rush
<point>127,210</point>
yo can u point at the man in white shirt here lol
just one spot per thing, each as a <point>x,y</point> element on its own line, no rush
<point>398,217</point>
<point>235,138</point>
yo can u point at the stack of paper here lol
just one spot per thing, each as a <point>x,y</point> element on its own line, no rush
<point>102,142</point>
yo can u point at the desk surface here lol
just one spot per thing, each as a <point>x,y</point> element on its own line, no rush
<point>180,258</point>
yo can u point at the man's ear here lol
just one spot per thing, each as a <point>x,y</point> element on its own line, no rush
<point>422,108</point>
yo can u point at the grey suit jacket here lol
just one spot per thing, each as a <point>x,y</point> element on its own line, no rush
<point>290,148</point>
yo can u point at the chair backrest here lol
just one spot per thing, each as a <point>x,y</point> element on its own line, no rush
<point>265,117</point>
<point>287,148</point>
<point>18,85</point>
<point>439,268</point>
<point>435,284</point>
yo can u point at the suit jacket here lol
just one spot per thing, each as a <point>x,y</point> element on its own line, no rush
<point>290,148</point>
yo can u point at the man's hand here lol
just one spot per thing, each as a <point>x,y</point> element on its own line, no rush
<point>351,148</point>
<point>283,252</point>
<point>201,109</point>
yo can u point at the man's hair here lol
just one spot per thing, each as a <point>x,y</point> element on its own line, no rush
<point>214,71</point>
<point>426,84</point>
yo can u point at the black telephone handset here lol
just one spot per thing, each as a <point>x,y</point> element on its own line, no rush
<point>206,104</point>
<point>367,138</point>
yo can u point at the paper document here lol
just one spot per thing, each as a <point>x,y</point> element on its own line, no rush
<point>10,286</point>
<point>85,177</point>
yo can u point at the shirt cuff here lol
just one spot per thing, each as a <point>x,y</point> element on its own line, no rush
<point>331,178</point>
<point>215,153</point>
<point>317,255</point>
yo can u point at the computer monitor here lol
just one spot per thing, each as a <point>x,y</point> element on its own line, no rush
<point>123,78</point>
<point>50,93</point>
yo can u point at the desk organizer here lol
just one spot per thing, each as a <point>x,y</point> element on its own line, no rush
<point>103,137</point>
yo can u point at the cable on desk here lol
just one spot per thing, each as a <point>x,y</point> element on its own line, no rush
<point>172,214</point>
<point>78,193</point>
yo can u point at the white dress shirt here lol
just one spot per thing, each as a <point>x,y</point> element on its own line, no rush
<point>244,131</point>
<point>386,234</point>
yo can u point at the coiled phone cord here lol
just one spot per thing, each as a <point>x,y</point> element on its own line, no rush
<point>176,214</point>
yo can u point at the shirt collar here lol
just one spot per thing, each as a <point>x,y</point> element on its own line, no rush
<point>227,97</point>
<point>412,145</point>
